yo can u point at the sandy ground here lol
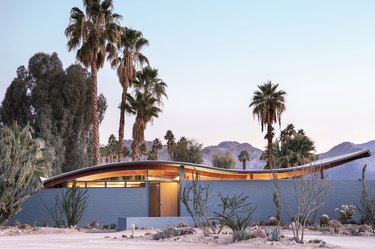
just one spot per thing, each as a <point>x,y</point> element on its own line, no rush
<point>85,239</point>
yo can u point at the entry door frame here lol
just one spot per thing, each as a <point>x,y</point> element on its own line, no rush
<point>154,198</point>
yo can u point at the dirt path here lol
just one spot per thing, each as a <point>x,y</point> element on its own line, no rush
<point>97,240</point>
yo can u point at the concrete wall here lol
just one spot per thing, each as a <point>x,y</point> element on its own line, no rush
<point>261,194</point>
<point>106,205</point>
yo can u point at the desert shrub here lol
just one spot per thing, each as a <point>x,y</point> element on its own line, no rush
<point>74,204</point>
<point>346,213</point>
<point>276,201</point>
<point>236,211</point>
<point>325,229</point>
<point>367,207</point>
<point>23,159</point>
<point>324,220</point>
<point>236,214</point>
<point>275,234</point>
<point>110,226</point>
<point>70,203</point>
<point>168,232</point>
<point>241,235</point>
<point>194,196</point>
<point>310,195</point>
<point>335,225</point>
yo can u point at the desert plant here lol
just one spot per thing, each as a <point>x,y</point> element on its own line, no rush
<point>197,207</point>
<point>277,205</point>
<point>367,207</point>
<point>275,234</point>
<point>74,204</point>
<point>55,212</point>
<point>324,220</point>
<point>236,212</point>
<point>346,213</point>
<point>310,194</point>
<point>110,226</point>
<point>70,203</point>
<point>22,160</point>
<point>241,235</point>
<point>168,232</point>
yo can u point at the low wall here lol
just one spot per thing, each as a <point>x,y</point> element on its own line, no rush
<point>106,205</point>
<point>261,194</point>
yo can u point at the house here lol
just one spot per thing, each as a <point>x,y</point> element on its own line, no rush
<point>152,188</point>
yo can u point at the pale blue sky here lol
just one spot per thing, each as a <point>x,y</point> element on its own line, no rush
<point>213,54</point>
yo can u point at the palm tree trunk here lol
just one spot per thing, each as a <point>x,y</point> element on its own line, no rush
<point>95,114</point>
<point>121,129</point>
<point>244,165</point>
<point>269,146</point>
<point>138,136</point>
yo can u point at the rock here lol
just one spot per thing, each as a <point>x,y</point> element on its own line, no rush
<point>273,221</point>
<point>336,225</point>
<point>182,224</point>
<point>187,230</point>
<point>258,233</point>
<point>25,227</point>
<point>124,236</point>
<point>324,220</point>
<point>362,229</point>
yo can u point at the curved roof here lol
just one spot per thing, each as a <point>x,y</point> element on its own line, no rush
<point>171,169</point>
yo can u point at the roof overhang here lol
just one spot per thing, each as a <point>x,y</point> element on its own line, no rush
<point>122,168</point>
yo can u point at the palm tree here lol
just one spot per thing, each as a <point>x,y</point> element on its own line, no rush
<point>147,80</point>
<point>171,141</point>
<point>268,105</point>
<point>127,59</point>
<point>156,146</point>
<point>287,132</point>
<point>142,151</point>
<point>292,149</point>
<point>297,150</point>
<point>93,34</point>
<point>145,109</point>
<point>244,157</point>
<point>126,152</point>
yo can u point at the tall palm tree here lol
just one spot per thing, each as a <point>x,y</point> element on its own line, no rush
<point>127,59</point>
<point>268,104</point>
<point>145,109</point>
<point>93,33</point>
<point>244,157</point>
<point>148,81</point>
<point>171,142</point>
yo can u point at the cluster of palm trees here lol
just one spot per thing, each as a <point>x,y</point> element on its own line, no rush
<point>293,148</point>
<point>97,34</point>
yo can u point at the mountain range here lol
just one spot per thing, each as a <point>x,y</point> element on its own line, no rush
<point>351,170</point>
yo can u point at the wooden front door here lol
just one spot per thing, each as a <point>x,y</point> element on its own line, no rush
<point>163,199</point>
